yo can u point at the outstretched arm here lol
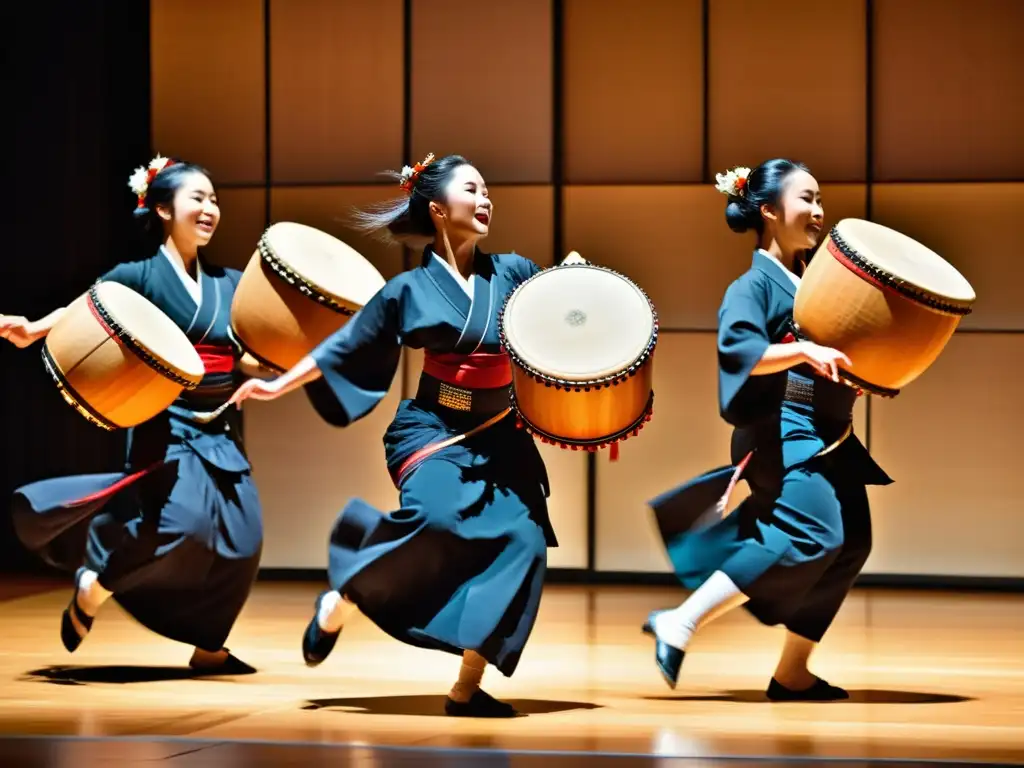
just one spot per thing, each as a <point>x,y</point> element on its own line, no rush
<point>302,373</point>
<point>782,357</point>
<point>21,332</point>
<point>350,372</point>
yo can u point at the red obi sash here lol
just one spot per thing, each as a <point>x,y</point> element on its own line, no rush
<point>216,359</point>
<point>479,370</point>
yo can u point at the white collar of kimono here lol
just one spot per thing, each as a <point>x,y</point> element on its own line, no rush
<point>467,285</point>
<point>792,275</point>
<point>194,287</point>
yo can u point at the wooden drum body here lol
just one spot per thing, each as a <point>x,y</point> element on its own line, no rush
<point>581,340</point>
<point>300,286</point>
<point>883,299</point>
<point>117,359</point>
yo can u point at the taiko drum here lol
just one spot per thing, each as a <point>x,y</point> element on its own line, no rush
<point>886,301</point>
<point>117,359</point>
<point>300,286</point>
<point>581,340</point>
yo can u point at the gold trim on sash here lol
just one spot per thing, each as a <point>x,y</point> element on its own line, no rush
<point>721,508</point>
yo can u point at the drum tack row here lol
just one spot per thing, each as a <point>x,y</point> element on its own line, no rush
<point>580,337</point>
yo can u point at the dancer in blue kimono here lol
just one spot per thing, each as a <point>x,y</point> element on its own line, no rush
<point>459,566</point>
<point>176,538</point>
<point>792,550</point>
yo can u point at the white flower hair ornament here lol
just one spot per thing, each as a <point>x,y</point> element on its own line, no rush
<point>733,183</point>
<point>139,181</point>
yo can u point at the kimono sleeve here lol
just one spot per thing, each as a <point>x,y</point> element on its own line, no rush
<point>128,274</point>
<point>742,341</point>
<point>525,268</point>
<point>516,269</point>
<point>358,362</point>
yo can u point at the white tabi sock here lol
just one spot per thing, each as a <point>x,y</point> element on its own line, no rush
<point>715,597</point>
<point>90,594</point>
<point>334,611</point>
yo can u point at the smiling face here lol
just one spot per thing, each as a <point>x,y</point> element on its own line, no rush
<point>797,219</point>
<point>467,209</point>
<point>194,214</point>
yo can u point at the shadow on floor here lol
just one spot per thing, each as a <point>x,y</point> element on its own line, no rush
<point>118,674</point>
<point>857,696</point>
<point>434,705</point>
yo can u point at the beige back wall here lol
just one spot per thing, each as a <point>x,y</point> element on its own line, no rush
<point>599,126</point>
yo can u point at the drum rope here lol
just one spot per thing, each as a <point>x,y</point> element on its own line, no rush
<point>429,450</point>
<point>723,503</point>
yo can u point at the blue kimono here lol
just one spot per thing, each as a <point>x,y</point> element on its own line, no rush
<point>177,536</point>
<point>797,543</point>
<point>460,565</point>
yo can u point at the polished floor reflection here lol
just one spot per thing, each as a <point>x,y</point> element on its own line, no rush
<point>934,676</point>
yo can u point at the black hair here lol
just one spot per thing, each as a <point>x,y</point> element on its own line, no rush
<point>161,191</point>
<point>764,187</point>
<point>407,219</point>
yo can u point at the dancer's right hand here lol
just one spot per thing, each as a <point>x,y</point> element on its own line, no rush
<point>256,389</point>
<point>824,359</point>
<point>17,330</point>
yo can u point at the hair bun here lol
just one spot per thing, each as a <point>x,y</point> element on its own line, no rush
<point>748,190</point>
<point>740,215</point>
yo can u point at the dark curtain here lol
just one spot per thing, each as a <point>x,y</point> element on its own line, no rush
<point>77,95</point>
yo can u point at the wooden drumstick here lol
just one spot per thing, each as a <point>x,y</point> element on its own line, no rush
<point>205,417</point>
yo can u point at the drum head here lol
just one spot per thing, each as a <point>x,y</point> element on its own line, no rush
<point>334,268</point>
<point>578,323</point>
<point>906,259</point>
<point>152,329</point>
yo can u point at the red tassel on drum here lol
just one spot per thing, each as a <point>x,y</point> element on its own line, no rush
<point>613,452</point>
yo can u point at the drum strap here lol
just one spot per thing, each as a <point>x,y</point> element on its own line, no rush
<point>723,503</point>
<point>797,393</point>
<point>427,451</point>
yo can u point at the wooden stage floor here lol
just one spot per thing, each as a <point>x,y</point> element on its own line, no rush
<point>934,677</point>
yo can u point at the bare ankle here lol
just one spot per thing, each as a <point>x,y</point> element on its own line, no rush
<point>462,693</point>
<point>207,659</point>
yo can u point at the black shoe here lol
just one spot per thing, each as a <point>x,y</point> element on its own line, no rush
<point>317,644</point>
<point>819,691</point>
<point>480,704</point>
<point>668,659</point>
<point>68,631</point>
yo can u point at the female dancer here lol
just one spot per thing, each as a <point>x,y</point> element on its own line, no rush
<point>459,566</point>
<point>175,539</point>
<point>792,550</point>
